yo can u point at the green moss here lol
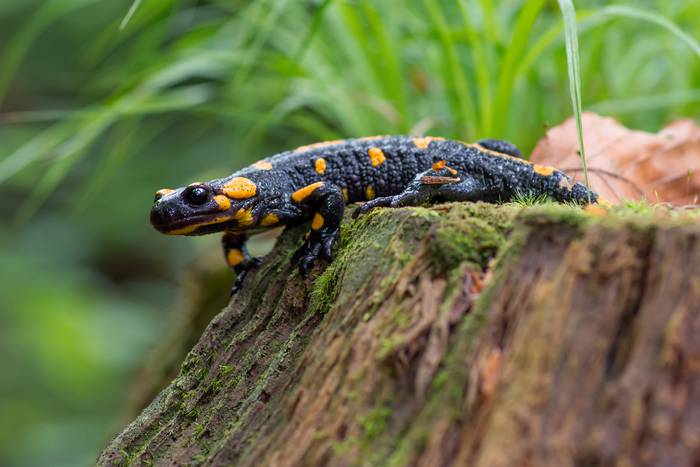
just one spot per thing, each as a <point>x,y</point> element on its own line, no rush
<point>378,244</point>
<point>374,424</point>
<point>553,213</point>
<point>440,379</point>
<point>388,345</point>
<point>225,370</point>
<point>472,233</point>
<point>198,429</point>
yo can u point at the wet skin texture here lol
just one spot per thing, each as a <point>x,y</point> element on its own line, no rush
<point>317,181</point>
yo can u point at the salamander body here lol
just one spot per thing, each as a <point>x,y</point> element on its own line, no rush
<point>317,181</point>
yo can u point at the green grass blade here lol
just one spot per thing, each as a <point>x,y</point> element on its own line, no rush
<point>383,31</point>
<point>515,50</point>
<point>455,80</point>
<point>130,13</point>
<point>654,18</point>
<point>34,149</point>
<point>573,64</point>
<point>482,71</point>
<point>13,52</point>
<point>313,30</point>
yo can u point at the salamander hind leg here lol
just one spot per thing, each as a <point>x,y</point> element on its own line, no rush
<point>326,203</point>
<point>423,189</point>
<point>237,257</point>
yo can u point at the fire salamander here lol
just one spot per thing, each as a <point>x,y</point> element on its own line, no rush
<point>317,181</point>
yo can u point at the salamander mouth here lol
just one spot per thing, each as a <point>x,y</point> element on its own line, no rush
<point>196,225</point>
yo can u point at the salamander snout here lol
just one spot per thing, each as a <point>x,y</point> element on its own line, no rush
<point>163,216</point>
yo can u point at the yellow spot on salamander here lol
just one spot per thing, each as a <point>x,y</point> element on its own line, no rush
<point>369,193</point>
<point>244,217</point>
<point>543,170</point>
<point>223,202</point>
<point>318,221</point>
<point>235,257</point>
<point>423,143</point>
<point>376,156</point>
<point>269,219</point>
<point>604,202</point>
<point>439,165</point>
<point>164,192</point>
<point>322,144</point>
<point>496,153</point>
<point>595,210</point>
<point>301,194</point>
<point>188,229</point>
<point>320,165</point>
<point>263,165</point>
<point>371,138</point>
<point>239,188</point>
<point>346,195</point>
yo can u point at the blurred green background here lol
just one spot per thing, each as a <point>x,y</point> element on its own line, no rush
<point>94,118</point>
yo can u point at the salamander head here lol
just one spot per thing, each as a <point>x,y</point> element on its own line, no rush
<point>202,208</point>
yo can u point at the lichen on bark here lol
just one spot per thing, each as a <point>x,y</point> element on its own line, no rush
<point>461,334</point>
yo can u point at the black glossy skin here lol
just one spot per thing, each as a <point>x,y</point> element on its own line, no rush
<point>403,175</point>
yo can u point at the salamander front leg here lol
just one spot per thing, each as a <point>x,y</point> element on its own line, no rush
<point>326,203</point>
<point>237,257</point>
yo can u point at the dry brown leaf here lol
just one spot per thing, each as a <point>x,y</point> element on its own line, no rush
<point>629,164</point>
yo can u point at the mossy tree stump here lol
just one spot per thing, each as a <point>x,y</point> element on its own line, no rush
<point>579,344</point>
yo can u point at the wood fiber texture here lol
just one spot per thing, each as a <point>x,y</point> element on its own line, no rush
<point>578,345</point>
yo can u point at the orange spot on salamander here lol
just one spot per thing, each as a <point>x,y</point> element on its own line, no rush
<point>244,217</point>
<point>191,228</point>
<point>424,142</point>
<point>235,257</point>
<point>318,221</point>
<point>595,210</point>
<point>369,193</point>
<point>263,165</point>
<point>223,202</point>
<point>543,170</point>
<point>603,202</point>
<point>439,165</point>
<point>164,192</point>
<point>372,138</point>
<point>496,154</point>
<point>376,156</point>
<point>320,165</point>
<point>301,194</point>
<point>239,188</point>
<point>269,219</point>
<point>322,144</point>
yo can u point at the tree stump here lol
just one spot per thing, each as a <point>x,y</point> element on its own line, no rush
<point>463,334</point>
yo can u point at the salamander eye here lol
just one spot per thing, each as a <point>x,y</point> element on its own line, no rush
<point>197,195</point>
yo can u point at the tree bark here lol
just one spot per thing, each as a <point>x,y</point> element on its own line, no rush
<point>464,334</point>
